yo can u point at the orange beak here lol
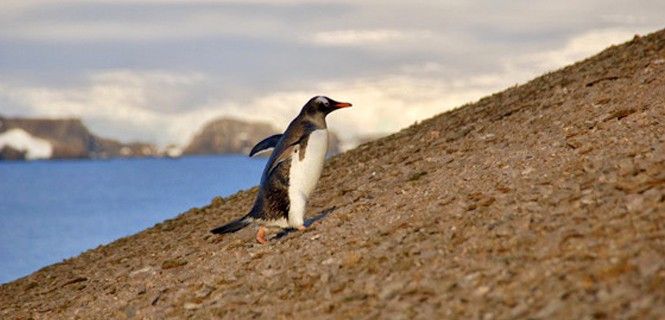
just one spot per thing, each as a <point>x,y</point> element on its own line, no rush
<point>340,105</point>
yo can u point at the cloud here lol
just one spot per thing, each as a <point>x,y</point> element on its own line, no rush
<point>121,104</point>
<point>132,21</point>
<point>194,25</point>
<point>156,70</point>
<point>579,47</point>
<point>366,37</point>
<point>168,107</point>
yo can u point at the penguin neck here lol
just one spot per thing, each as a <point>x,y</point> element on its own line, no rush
<point>318,120</point>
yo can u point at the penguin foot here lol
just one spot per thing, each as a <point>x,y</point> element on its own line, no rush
<point>301,228</point>
<point>261,235</point>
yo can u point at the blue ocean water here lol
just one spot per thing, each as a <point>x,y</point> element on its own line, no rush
<point>52,210</point>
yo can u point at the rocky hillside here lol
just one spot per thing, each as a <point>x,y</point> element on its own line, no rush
<point>61,139</point>
<point>546,200</point>
<point>226,135</point>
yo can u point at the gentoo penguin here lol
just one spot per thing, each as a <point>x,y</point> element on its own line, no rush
<point>292,170</point>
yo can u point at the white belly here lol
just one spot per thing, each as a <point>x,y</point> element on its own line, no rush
<point>305,173</point>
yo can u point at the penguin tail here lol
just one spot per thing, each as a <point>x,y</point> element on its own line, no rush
<point>232,226</point>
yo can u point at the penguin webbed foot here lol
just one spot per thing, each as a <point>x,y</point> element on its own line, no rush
<point>261,235</point>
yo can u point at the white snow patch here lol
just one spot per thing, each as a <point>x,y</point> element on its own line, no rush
<point>173,151</point>
<point>19,139</point>
<point>125,151</point>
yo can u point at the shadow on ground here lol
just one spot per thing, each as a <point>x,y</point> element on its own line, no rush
<point>308,222</point>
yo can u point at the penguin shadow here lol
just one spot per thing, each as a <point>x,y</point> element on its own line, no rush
<point>308,222</point>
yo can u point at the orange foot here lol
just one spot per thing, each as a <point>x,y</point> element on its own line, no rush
<point>261,235</point>
<point>301,228</point>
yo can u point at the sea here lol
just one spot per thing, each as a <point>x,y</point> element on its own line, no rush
<point>55,209</point>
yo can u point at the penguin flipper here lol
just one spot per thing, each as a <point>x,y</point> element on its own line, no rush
<point>232,226</point>
<point>267,143</point>
<point>284,156</point>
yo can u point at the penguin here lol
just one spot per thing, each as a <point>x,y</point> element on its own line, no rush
<point>292,171</point>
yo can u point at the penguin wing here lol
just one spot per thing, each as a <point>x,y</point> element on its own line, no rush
<point>294,138</point>
<point>267,143</point>
<point>286,152</point>
<point>284,156</point>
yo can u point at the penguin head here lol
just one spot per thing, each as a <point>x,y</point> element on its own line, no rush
<point>323,105</point>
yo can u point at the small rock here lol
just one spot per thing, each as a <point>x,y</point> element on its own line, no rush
<point>192,306</point>
<point>488,137</point>
<point>156,298</point>
<point>269,273</point>
<point>141,271</point>
<point>481,291</point>
<point>351,259</point>
<point>204,292</point>
<point>519,310</point>
<point>416,175</point>
<point>634,202</point>
<point>549,310</point>
<point>390,290</point>
<point>169,264</point>
<point>649,262</point>
<point>31,285</point>
<point>217,202</point>
<point>130,311</point>
<point>75,280</point>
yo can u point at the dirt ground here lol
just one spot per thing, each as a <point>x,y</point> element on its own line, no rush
<point>546,200</point>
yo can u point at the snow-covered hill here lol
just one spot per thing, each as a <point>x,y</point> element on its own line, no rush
<point>31,147</point>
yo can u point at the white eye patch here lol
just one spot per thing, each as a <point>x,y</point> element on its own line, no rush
<point>323,100</point>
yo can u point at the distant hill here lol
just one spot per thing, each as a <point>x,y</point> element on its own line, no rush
<point>543,201</point>
<point>25,138</point>
<point>228,135</point>
<point>22,138</point>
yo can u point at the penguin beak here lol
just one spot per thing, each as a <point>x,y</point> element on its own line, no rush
<point>340,105</point>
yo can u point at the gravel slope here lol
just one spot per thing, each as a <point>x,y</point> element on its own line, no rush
<point>546,200</point>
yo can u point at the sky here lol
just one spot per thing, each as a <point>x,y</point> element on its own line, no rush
<point>157,70</point>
